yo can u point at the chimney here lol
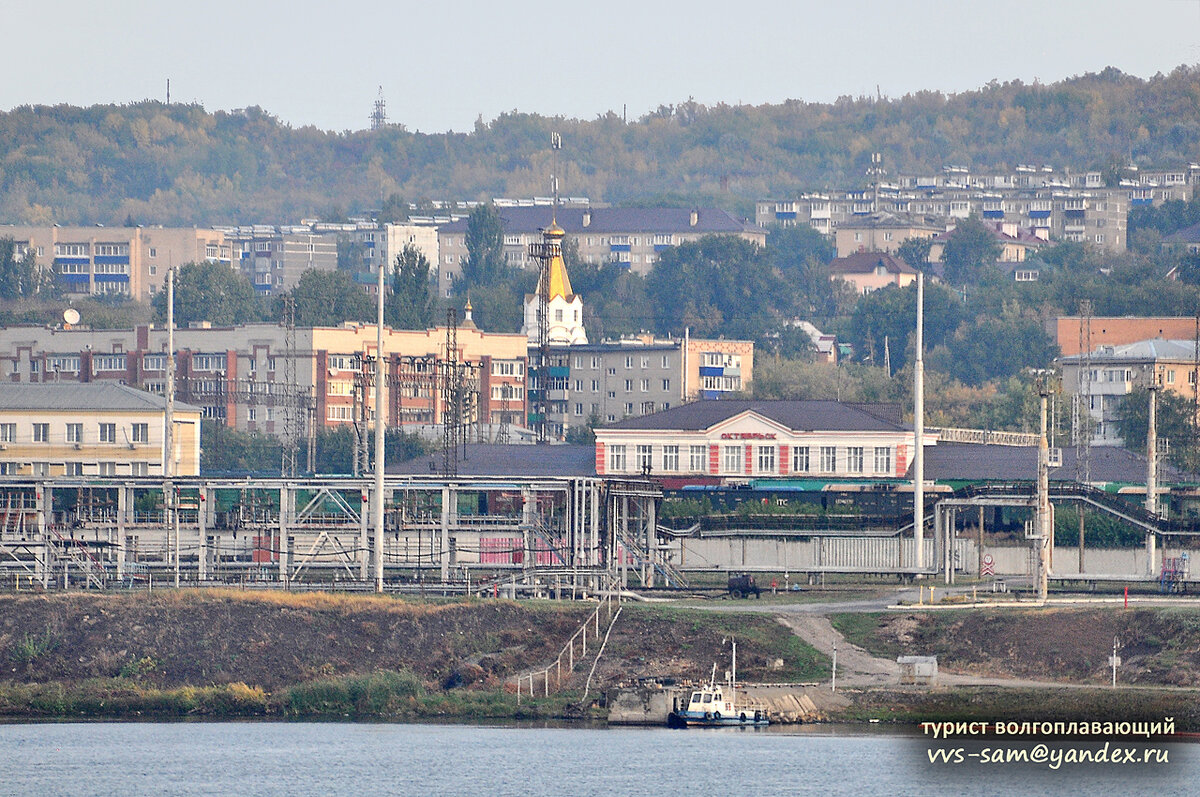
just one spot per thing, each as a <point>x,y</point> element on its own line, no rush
<point>695,218</point>
<point>587,218</point>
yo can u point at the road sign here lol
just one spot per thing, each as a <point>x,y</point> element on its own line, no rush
<point>1114,661</point>
<point>988,567</point>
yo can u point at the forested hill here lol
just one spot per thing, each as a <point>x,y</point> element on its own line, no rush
<point>179,164</point>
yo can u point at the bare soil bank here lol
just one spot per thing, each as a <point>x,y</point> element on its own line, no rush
<point>1158,646</point>
<point>271,642</point>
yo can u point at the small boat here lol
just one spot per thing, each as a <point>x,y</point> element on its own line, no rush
<point>716,705</point>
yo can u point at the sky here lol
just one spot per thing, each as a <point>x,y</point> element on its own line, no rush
<point>442,66</point>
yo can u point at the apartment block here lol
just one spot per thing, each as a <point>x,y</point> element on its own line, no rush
<point>126,261</point>
<point>632,377</point>
<point>260,377</point>
<point>629,237</point>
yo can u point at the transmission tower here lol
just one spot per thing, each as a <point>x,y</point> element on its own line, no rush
<point>1083,439</point>
<point>379,114</point>
<point>293,423</point>
<point>451,397</point>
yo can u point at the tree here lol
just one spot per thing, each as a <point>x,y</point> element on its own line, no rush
<point>350,253</point>
<point>327,298</point>
<point>718,285</point>
<point>211,292</point>
<point>889,315</point>
<point>485,264</point>
<point>411,304</point>
<point>915,252</point>
<point>394,210</point>
<point>1172,417</point>
<point>20,277</point>
<point>969,250</point>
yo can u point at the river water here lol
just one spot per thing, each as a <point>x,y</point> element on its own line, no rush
<point>271,758</point>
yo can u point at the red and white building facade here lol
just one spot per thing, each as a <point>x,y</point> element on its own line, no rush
<point>735,439</point>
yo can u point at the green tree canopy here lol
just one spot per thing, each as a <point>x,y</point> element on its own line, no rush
<point>1172,416</point>
<point>890,315</point>
<point>485,264</point>
<point>211,292</point>
<point>969,251</point>
<point>718,285</point>
<point>915,252</point>
<point>411,304</point>
<point>327,298</point>
<point>20,276</point>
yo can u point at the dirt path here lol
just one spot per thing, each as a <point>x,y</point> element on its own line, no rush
<point>858,667</point>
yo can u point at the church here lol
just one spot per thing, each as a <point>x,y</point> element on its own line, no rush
<point>565,308</point>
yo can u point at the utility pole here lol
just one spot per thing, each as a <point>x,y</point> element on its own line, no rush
<point>1044,529</point>
<point>169,498</point>
<point>1152,469</point>
<point>918,465</point>
<point>379,429</point>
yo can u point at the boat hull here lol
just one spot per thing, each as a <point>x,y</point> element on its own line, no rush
<point>696,719</point>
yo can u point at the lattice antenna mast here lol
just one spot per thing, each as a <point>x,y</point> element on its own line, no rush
<point>1083,443</point>
<point>451,397</point>
<point>379,114</point>
<point>292,421</point>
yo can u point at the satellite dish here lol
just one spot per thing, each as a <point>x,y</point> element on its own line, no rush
<point>71,315</point>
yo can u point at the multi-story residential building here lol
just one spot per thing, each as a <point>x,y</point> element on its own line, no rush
<point>870,271</point>
<point>1075,334</point>
<point>263,377</point>
<point>129,261</point>
<point>381,243</point>
<point>83,429</point>
<point>631,237</point>
<point>883,232</point>
<point>739,439</point>
<point>1101,381</point>
<point>273,258</point>
<point>612,380</point>
<point>1052,204</point>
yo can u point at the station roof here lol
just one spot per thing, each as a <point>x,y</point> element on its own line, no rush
<point>84,396</point>
<point>796,415</point>
<point>494,459</point>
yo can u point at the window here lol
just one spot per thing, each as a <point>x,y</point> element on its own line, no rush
<point>208,362</point>
<point>616,458</point>
<point>629,362</point>
<point>74,469</point>
<point>670,459</point>
<point>766,459</point>
<point>595,386</point>
<point>139,469</point>
<point>800,463</point>
<point>645,458</point>
<point>612,394</point>
<point>153,252</point>
<point>696,463</point>
<point>8,433</point>
<point>595,362</point>
<point>140,433</point>
<point>854,459</point>
<point>41,468</point>
<point>1171,377</point>
<point>579,410</point>
<point>828,459</point>
<point>646,385</point>
<point>108,362</point>
<point>731,460</point>
<point>645,362</point>
<point>666,361</point>
<point>108,432</point>
<point>270,414</point>
<point>340,413</point>
<point>883,459</point>
<point>579,362</point>
<point>41,433</point>
<point>108,469</point>
<point>629,408</point>
<point>628,385</point>
<point>666,384</point>
<point>74,432</point>
<point>251,414</point>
